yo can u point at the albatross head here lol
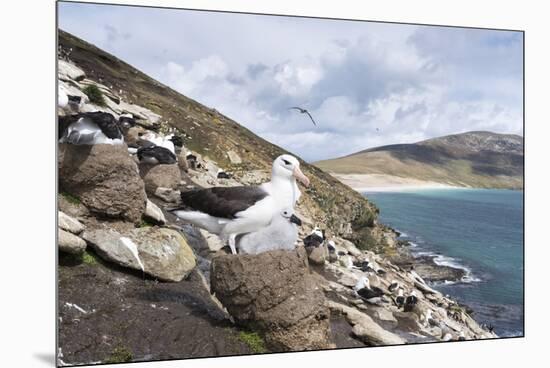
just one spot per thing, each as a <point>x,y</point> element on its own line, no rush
<point>287,166</point>
<point>288,214</point>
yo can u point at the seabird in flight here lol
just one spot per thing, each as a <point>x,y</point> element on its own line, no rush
<point>303,111</point>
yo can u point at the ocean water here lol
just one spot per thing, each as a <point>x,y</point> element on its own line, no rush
<point>480,231</point>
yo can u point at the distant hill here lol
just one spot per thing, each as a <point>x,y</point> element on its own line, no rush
<point>472,159</point>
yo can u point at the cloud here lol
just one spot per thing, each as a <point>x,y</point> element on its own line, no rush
<point>366,84</point>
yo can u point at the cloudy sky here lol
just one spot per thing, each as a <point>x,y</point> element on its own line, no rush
<point>366,84</point>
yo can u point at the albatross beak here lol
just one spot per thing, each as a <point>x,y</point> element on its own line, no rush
<point>295,220</point>
<point>298,174</point>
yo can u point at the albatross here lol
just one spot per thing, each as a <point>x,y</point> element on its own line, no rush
<point>90,128</point>
<point>365,291</point>
<point>230,211</point>
<point>281,233</point>
<point>303,111</point>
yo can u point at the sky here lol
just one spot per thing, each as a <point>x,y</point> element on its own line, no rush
<point>366,84</point>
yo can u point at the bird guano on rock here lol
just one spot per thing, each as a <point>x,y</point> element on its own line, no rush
<point>230,211</point>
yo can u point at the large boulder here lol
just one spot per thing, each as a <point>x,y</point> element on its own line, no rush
<point>163,176</point>
<point>104,178</point>
<point>159,252</point>
<point>70,243</point>
<point>274,292</point>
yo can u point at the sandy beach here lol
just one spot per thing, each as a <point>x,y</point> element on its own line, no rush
<point>387,183</point>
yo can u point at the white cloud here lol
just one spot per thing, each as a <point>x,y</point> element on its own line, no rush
<point>366,84</point>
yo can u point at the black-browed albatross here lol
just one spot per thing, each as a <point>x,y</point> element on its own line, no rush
<point>280,234</point>
<point>90,128</point>
<point>230,211</point>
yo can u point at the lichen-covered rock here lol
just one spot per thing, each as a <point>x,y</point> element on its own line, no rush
<point>161,253</point>
<point>275,292</point>
<point>70,243</point>
<point>104,178</point>
<point>155,176</point>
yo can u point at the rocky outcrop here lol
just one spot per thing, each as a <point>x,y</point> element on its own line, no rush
<point>365,328</point>
<point>104,178</point>
<point>275,292</point>
<point>159,252</point>
<point>164,176</point>
<point>68,71</point>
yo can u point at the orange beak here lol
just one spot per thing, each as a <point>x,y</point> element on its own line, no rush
<point>298,174</point>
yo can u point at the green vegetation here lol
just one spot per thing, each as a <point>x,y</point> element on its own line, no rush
<point>94,94</point>
<point>253,340</point>
<point>145,223</point>
<point>89,258</point>
<point>119,355</point>
<point>70,198</point>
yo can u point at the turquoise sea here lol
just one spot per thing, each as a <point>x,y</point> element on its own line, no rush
<point>480,231</point>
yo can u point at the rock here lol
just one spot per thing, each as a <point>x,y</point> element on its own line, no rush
<point>104,178</point>
<point>274,292</point>
<point>106,91</point>
<point>234,158</point>
<point>317,255</point>
<point>132,135</point>
<point>365,328</point>
<point>154,213</point>
<point>144,117</point>
<point>350,248</point>
<point>213,241</point>
<point>68,71</point>
<point>155,176</point>
<point>168,195</point>
<point>67,223</point>
<point>164,253</point>
<point>70,243</point>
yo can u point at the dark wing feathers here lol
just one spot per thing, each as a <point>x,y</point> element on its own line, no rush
<point>311,117</point>
<point>162,154</point>
<point>223,202</point>
<point>106,122</point>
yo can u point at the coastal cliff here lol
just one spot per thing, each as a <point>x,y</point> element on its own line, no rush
<point>137,284</point>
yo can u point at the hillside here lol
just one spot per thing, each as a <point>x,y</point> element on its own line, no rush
<point>472,159</point>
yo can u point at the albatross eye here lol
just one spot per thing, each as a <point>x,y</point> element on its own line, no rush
<point>286,162</point>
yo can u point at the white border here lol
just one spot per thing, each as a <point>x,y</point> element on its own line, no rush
<point>28,167</point>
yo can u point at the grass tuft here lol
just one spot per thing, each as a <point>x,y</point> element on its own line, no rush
<point>119,355</point>
<point>253,340</point>
<point>71,198</point>
<point>94,94</point>
<point>89,258</point>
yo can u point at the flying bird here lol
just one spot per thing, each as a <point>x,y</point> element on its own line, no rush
<point>304,111</point>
